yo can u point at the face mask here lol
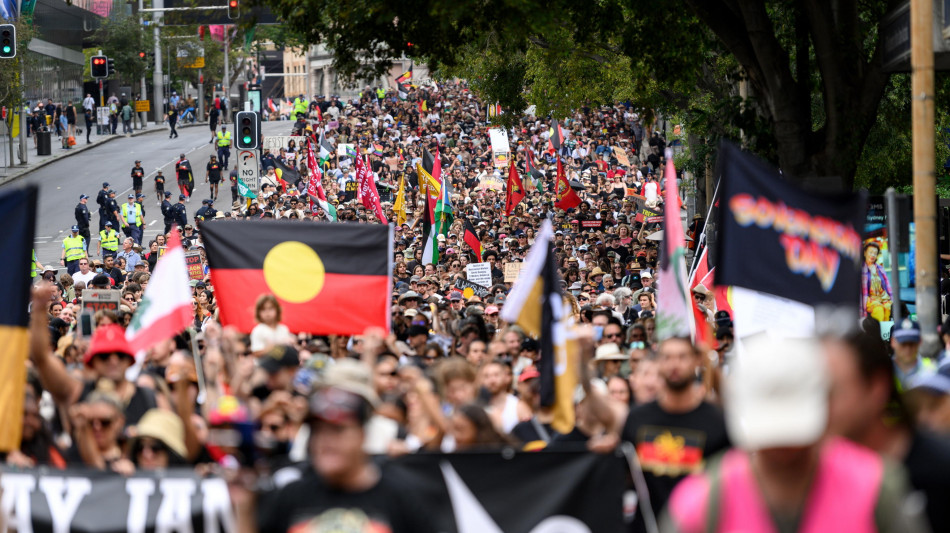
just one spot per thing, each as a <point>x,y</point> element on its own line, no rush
<point>99,269</point>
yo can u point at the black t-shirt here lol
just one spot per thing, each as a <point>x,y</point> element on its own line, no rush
<point>672,446</point>
<point>384,507</point>
<point>142,400</point>
<point>214,172</point>
<point>928,466</point>
<point>137,174</point>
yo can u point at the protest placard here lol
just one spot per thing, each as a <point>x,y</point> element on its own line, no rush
<point>101,299</point>
<point>512,270</point>
<point>196,271</point>
<point>479,273</point>
<point>473,288</point>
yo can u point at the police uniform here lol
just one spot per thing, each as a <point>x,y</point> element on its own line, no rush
<point>103,200</point>
<point>180,214</point>
<point>112,209</point>
<point>74,249</point>
<point>133,210</point>
<point>169,218</point>
<point>83,218</point>
<point>109,242</point>
<point>224,148</point>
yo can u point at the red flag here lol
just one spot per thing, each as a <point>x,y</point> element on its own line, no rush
<point>566,197</point>
<point>366,187</point>
<point>514,189</point>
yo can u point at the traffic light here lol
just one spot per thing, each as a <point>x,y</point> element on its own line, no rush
<point>111,65</point>
<point>98,67</point>
<point>7,41</point>
<point>143,56</point>
<point>234,9</point>
<point>248,130</point>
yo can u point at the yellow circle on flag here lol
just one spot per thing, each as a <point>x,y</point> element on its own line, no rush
<point>294,272</point>
<point>467,293</point>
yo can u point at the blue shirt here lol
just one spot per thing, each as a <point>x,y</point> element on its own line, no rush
<point>131,259</point>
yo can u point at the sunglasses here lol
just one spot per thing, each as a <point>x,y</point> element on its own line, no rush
<point>108,356</point>
<point>154,447</point>
<point>104,423</point>
<point>613,335</point>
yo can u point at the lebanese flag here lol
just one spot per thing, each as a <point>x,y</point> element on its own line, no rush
<point>514,189</point>
<point>673,315</point>
<point>165,309</point>
<point>566,197</point>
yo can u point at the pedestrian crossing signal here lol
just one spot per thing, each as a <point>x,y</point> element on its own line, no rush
<point>98,66</point>
<point>7,41</point>
<point>248,131</point>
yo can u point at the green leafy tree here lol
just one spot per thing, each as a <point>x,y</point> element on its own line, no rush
<point>121,39</point>
<point>11,79</point>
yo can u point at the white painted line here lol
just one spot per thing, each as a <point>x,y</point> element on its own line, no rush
<point>152,222</point>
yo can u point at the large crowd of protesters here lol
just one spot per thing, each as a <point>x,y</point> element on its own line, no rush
<point>453,377</point>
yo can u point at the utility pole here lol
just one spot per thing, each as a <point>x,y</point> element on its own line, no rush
<point>157,74</point>
<point>226,82</point>
<point>925,207</point>
<point>143,92</point>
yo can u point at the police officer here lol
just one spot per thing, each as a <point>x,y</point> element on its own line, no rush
<point>112,208</point>
<point>83,216</point>
<point>132,219</point>
<point>103,200</point>
<point>224,146</point>
<point>74,249</point>
<point>108,242</point>
<point>167,212</point>
<point>140,199</point>
<point>137,174</point>
<point>180,212</point>
<point>207,211</point>
<point>160,186</point>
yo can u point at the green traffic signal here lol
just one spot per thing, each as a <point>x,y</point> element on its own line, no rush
<point>247,139</point>
<point>7,49</point>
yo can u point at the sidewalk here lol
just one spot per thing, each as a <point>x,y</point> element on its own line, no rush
<point>9,174</point>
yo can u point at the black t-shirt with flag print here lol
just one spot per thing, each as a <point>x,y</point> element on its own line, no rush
<point>308,504</point>
<point>671,446</point>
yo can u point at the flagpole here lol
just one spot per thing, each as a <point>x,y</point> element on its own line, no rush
<point>702,235</point>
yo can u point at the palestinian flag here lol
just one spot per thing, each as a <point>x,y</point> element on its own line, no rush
<point>315,271</point>
<point>430,242</point>
<point>18,216</point>
<point>444,215</point>
<point>471,239</point>
<point>673,317</point>
<point>514,190</point>
<point>566,197</point>
<point>326,149</point>
<point>402,91</point>
<point>536,174</point>
<point>535,303</point>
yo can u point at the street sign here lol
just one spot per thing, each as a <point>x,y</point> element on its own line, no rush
<point>249,176</point>
<point>143,106</point>
<point>190,56</point>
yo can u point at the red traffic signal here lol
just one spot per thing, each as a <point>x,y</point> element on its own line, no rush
<point>142,55</point>
<point>98,67</point>
<point>234,10</point>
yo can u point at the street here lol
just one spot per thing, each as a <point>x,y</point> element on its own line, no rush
<point>63,181</point>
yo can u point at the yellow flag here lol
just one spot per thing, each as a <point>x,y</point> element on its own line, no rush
<point>399,206</point>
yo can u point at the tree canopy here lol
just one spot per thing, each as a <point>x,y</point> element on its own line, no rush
<point>813,66</point>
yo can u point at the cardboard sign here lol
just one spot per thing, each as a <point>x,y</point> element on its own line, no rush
<point>512,271</point>
<point>469,288</point>
<point>479,273</point>
<point>275,142</point>
<point>101,299</point>
<point>196,270</point>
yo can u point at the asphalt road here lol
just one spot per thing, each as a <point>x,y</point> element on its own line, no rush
<point>63,181</point>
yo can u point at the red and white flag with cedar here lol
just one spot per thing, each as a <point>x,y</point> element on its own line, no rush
<point>165,309</point>
<point>673,315</point>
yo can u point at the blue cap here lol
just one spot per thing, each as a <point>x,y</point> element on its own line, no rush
<point>206,201</point>
<point>75,228</point>
<point>140,195</point>
<point>131,196</point>
<point>937,382</point>
<point>83,197</point>
<point>907,331</point>
<point>167,194</point>
<point>181,196</point>
<point>105,183</point>
<point>108,223</point>
<point>210,201</point>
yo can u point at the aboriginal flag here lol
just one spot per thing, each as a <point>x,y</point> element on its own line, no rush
<point>330,279</point>
<point>17,216</point>
<point>471,239</point>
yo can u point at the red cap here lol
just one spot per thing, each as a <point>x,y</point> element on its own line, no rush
<point>108,339</point>
<point>529,372</point>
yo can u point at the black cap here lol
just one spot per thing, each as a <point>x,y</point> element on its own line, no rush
<point>415,330</point>
<point>280,356</point>
<point>181,196</point>
<point>530,344</point>
<point>101,280</point>
<point>167,194</point>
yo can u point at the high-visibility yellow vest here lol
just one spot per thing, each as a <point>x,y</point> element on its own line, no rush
<point>138,213</point>
<point>74,247</point>
<point>33,268</point>
<point>109,241</point>
<point>380,94</point>
<point>225,139</point>
<point>300,107</point>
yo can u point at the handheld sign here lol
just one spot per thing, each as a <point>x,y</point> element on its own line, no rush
<point>196,271</point>
<point>101,299</point>
<point>479,273</point>
<point>469,288</point>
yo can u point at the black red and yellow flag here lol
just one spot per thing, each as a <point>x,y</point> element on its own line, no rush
<point>285,175</point>
<point>514,190</point>
<point>471,239</point>
<point>18,219</point>
<point>330,279</point>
